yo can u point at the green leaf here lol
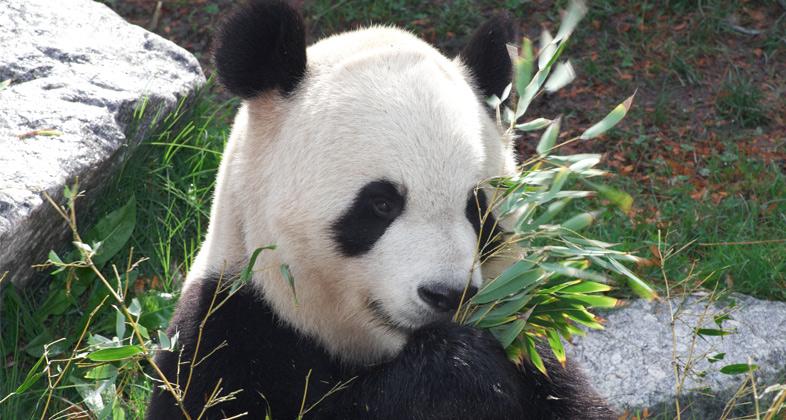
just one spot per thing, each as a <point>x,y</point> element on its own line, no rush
<point>532,353</point>
<point>135,308</point>
<point>556,346</point>
<point>713,332</point>
<point>576,11</point>
<point>501,312</point>
<point>639,286</point>
<point>720,319</point>
<point>619,198</point>
<point>4,84</point>
<point>514,279</point>
<point>515,351</point>
<point>511,331</point>
<point>506,92</point>
<point>716,357</point>
<point>248,272</point>
<point>112,232</point>
<point>561,76</point>
<point>105,371</point>
<point>614,117</point>
<point>524,66</point>
<point>580,221</point>
<point>115,353</point>
<point>587,287</point>
<point>534,85</point>
<point>583,317</point>
<point>163,340</point>
<point>573,272</point>
<point>596,301</point>
<point>284,268</point>
<point>533,125</point>
<point>549,138</point>
<point>493,101</point>
<point>32,376</point>
<point>120,324</point>
<point>738,368</point>
<point>55,259</point>
<point>548,49</point>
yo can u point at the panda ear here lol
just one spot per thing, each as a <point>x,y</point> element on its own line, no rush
<point>261,46</point>
<point>486,55</point>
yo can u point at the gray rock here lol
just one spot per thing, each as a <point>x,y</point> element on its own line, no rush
<point>630,362</point>
<point>78,68</point>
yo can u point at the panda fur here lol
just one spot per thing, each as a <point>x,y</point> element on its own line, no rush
<point>358,158</point>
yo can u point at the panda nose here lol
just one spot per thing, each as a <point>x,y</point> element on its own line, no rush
<point>443,298</point>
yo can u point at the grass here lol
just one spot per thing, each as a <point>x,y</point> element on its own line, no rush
<point>740,100</point>
<point>171,176</point>
<point>740,238</point>
<point>695,183</point>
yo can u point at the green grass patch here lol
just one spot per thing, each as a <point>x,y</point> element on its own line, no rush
<point>741,238</point>
<point>740,101</point>
<point>157,208</point>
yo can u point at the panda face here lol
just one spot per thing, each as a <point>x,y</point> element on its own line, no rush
<point>372,202</point>
<point>360,164</point>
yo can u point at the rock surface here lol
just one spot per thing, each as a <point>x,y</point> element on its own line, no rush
<point>630,362</point>
<point>78,68</point>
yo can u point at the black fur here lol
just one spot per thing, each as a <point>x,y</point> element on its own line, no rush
<point>490,232</point>
<point>261,46</point>
<point>487,57</point>
<point>360,227</point>
<point>446,371</point>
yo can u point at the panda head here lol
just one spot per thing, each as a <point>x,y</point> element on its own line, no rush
<point>358,157</point>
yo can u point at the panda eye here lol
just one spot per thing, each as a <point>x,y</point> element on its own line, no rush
<point>382,207</point>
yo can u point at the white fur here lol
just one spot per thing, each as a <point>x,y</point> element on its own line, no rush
<point>376,104</point>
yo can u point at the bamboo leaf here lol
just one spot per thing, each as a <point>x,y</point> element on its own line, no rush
<point>573,272</point>
<point>580,221</point>
<point>511,331</point>
<point>549,138</point>
<point>556,346</point>
<point>164,341</point>
<point>587,287</point>
<point>510,286</point>
<point>596,301</point>
<point>614,117</point>
<point>105,371</point>
<point>115,353</point>
<point>561,76</point>
<point>547,49</point>
<point>713,332</point>
<point>524,66</point>
<point>738,368</point>
<point>533,125</point>
<point>515,270</point>
<point>284,268</point>
<point>576,11</point>
<point>619,198</point>
<point>533,355</point>
<point>639,286</point>
<point>120,325</point>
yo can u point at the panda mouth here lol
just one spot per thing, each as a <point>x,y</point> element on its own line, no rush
<point>384,318</point>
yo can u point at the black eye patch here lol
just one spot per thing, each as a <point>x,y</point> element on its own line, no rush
<point>490,232</point>
<point>375,207</point>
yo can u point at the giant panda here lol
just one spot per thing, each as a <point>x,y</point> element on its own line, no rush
<point>359,158</point>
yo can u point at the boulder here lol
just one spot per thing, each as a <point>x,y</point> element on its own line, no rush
<point>85,86</point>
<point>630,362</point>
